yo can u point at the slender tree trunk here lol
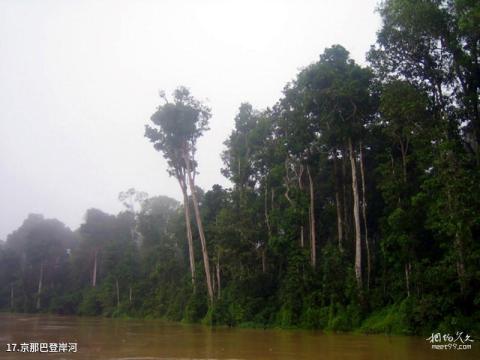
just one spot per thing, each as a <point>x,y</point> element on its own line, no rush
<point>337,203</point>
<point>339,221</point>
<point>273,198</point>
<point>403,150</point>
<point>240,174</point>
<point>118,292</point>
<point>356,216</point>
<point>269,228</point>
<point>40,284</point>
<point>407,277</point>
<point>200,231</point>
<point>346,217</point>
<point>188,225</point>
<point>130,298</point>
<point>302,229</point>
<point>460,262</point>
<point>219,282</point>
<point>290,201</point>
<point>408,265</point>
<point>11,297</point>
<point>384,275</point>
<point>214,281</point>
<point>313,242</point>
<point>94,274</point>
<point>287,184</point>
<point>267,219</point>
<point>264,261</point>
<point>364,214</point>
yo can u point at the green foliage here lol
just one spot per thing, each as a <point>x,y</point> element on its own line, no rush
<point>91,303</point>
<point>195,309</point>
<point>407,129</point>
<point>345,318</point>
<point>66,304</point>
<point>391,319</point>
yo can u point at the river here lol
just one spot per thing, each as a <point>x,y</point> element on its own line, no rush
<point>119,339</point>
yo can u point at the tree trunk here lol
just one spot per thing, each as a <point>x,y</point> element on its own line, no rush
<point>458,243</point>
<point>94,274</point>
<point>200,231</point>
<point>407,277</point>
<point>264,261</point>
<point>214,281</point>
<point>188,225</point>
<point>300,186</point>
<point>346,218</point>
<point>118,292</point>
<point>356,216</point>
<point>403,150</point>
<point>460,262</point>
<point>40,284</point>
<point>267,219</point>
<point>273,198</point>
<point>11,297</point>
<point>313,243</point>
<point>302,241</point>
<point>130,294</point>
<point>219,283</point>
<point>338,205</point>
<point>364,214</point>
<point>267,222</point>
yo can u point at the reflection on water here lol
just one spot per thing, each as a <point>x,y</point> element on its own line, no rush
<point>114,339</point>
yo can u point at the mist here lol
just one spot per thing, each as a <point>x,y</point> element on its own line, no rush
<point>80,79</point>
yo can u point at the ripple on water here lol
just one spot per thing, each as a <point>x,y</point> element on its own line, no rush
<point>55,327</point>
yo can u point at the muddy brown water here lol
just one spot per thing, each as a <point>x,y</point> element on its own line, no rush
<point>118,339</point>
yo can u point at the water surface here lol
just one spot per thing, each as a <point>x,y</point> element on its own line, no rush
<point>116,339</point>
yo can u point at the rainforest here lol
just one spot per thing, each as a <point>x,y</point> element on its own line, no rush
<point>354,202</point>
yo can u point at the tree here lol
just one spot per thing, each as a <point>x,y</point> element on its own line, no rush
<point>435,45</point>
<point>97,231</point>
<point>245,162</point>
<point>331,103</point>
<point>178,126</point>
<point>405,122</point>
<point>296,127</point>
<point>41,246</point>
<point>129,198</point>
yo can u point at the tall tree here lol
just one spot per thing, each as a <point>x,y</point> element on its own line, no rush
<point>332,102</point>
<point>97,231</point>
<point>178,125</point>
<point>436,45</point>
<point>129,198</point>
<point>41,245</point>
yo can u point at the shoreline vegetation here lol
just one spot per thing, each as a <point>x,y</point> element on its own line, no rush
<point>383,322</point>
<point>354,206</point>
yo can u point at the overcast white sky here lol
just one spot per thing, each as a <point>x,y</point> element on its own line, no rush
<point>80,79</point>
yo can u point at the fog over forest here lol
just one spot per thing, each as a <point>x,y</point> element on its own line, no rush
<point>80,79</point>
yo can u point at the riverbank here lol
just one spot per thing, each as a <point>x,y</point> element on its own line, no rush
<point>408,317</point>
<point>107,338</point>
<point>396,319</point>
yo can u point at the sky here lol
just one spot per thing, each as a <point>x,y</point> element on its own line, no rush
<point>80,79</point>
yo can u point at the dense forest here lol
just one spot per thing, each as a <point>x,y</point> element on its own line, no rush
<point>355,201</point>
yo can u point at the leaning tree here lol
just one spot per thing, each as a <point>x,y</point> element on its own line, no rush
<point>177,127</point>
